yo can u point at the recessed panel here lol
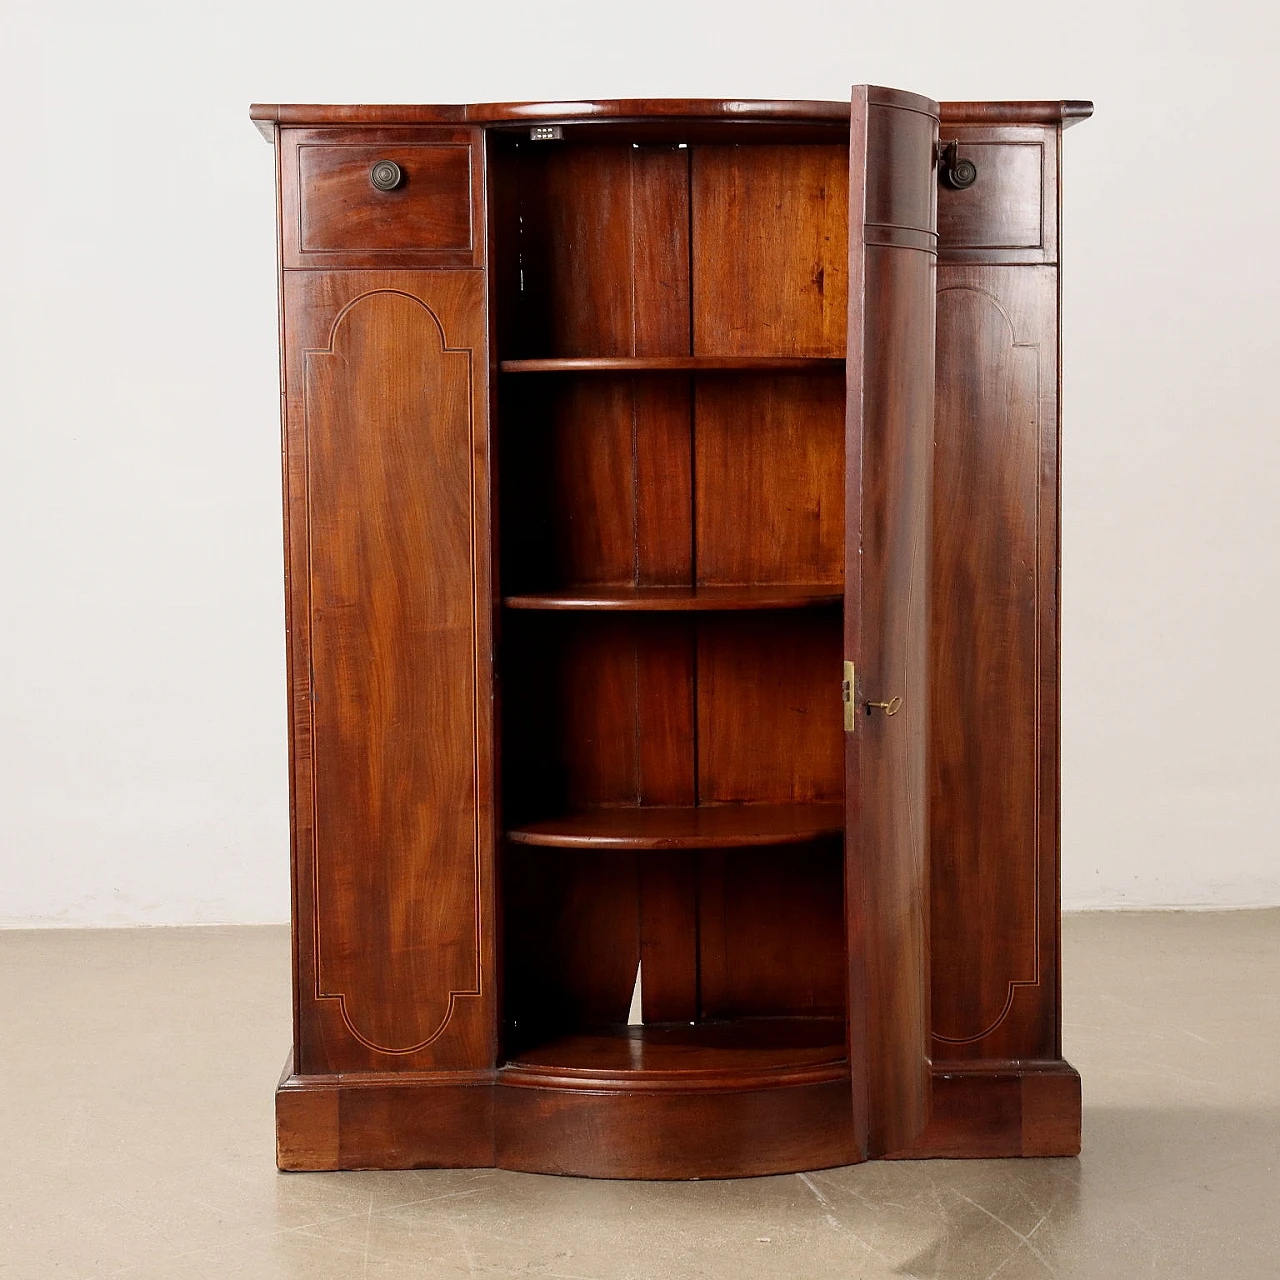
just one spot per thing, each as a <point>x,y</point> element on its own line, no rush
<point>992,690</point>
<point>392,696</point>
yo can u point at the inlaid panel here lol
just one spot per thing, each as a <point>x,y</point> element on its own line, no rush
<point>993,636</point>
<point>391,796</point>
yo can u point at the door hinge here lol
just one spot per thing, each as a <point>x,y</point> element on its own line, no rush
<point>846,694</point>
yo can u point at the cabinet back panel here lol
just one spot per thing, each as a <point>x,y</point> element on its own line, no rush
<point>572,940</point>
<point>597,474</point>
<point>770,250</point>
<point>603,250</point>
<point>657,249</point>
<point>596,482</point>
<point>599,710</point>
<point>769,711</point>
<point>771,933</point>
<point>769,462</point>
<point>722,934</point>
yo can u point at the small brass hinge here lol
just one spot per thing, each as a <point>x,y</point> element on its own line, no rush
<point>846,694</point>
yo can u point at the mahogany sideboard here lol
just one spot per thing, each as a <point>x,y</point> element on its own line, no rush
<point>672,559</point>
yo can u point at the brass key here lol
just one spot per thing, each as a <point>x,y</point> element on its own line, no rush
<point>890,708</point>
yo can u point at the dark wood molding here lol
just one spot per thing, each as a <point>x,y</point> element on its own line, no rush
<point>269,115</point>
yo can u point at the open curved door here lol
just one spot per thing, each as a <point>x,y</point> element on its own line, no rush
<point>892,263</point>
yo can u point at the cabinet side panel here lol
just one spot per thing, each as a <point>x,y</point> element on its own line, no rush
<point>992,995</point>
<point>994,655</point>
<point>386,377</point>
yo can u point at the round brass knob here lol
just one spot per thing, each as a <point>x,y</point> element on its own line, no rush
<point>386,175</point>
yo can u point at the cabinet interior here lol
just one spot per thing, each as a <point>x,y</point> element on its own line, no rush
<point>671,554</point>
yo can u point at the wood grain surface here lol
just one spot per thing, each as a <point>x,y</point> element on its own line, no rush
<point>389,730</point>
<point>888,472</point>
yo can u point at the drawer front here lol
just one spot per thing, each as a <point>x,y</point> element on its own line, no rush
<point>421,210</point>
<point>1010,214</point>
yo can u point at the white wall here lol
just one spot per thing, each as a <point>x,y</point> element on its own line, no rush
<point>143,748</point>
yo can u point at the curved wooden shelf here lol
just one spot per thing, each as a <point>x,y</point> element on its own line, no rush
<point>746,1053</point>
<point>749,1097</point>
<point>679,599</point>
<point>675,364</point>
<point>727,826</point>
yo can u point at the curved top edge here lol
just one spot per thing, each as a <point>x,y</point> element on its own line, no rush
<point>267,115</point>
<point>878,96</point>
<point>584,111</point>
<point>1065,113</point>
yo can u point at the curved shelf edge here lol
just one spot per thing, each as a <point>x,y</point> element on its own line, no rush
<point>559,1126</point>
<point>744,1054</point>
<point>517,1076</point>
<point>676,364</point>
<point>710,827</point>
<point>678,599</point>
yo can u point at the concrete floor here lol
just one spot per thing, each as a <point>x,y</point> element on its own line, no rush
<point>135,1110</point>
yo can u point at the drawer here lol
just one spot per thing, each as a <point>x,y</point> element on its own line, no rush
<point>369,198</point>
<point>1010,214</point>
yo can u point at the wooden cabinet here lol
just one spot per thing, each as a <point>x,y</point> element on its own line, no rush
<point>672,556</point>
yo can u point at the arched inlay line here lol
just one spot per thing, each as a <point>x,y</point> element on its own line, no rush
<point>456,399</point>
<point>1013,985</point>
